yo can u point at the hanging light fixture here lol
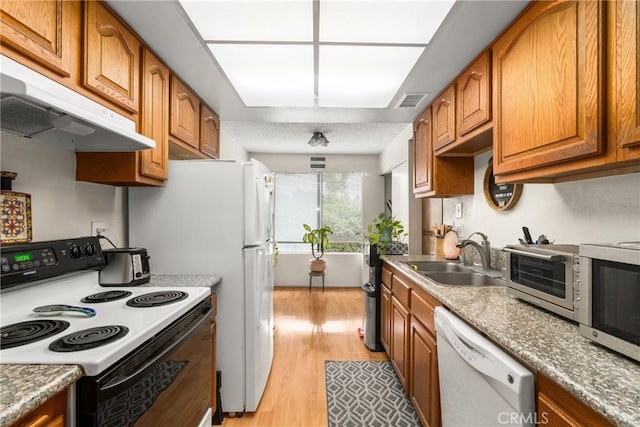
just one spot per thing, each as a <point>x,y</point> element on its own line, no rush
<point>318,139</point>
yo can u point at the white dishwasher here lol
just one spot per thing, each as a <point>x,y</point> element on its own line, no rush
<point>480,385</point>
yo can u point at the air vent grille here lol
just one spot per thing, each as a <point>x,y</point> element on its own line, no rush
<point>318,162</point>
<point>411,100</point>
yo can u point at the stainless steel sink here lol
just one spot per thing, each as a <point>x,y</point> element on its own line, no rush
<point>466,278</point>
<point>435,266</point>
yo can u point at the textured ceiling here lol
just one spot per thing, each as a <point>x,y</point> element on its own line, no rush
<point>467,30</point>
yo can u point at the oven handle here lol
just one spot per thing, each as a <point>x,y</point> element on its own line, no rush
<point>535,255</point>
<point>159,357</point>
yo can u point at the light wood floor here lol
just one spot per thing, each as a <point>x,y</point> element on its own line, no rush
<point>311,327</point>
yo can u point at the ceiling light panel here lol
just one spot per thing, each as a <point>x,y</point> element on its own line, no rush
<point>354,21</point>
<point>268,75</point>
<point>244,20</point>
<point>363,76</point>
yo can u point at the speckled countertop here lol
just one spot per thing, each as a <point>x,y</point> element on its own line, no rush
<point>24,387</point>
<point>183,280</point>
<point>604,380</point>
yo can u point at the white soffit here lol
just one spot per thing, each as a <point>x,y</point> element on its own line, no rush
<point>363,76</point>
<point>378,21</point>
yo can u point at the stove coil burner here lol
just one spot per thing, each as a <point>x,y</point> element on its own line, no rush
<point>106,296</point>
<point>88,338</point>
<point>23,333</point>
<point>154,299</point>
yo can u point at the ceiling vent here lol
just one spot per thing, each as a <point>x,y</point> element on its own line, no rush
<point>411,100</point>
<point>318,162</point>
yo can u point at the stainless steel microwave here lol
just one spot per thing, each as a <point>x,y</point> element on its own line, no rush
<point>546,276</point>
<point>610,296</point>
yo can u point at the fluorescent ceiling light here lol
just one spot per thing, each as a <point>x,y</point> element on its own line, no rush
<point>408,22</point>
<point>269,75</point>
<point>245,20</point>
<point>363,76</point>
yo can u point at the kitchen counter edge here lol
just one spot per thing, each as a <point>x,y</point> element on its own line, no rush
<point>25,387</point>
<point>604,380</point>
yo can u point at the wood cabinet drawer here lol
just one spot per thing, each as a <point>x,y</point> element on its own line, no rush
<point>400,289</point>
<point>422,308</point>
<point>386,277</point>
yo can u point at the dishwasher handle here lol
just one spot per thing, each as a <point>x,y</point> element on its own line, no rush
<point>467,351</point>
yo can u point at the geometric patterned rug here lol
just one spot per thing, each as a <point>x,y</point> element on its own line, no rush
<point>367,393</point>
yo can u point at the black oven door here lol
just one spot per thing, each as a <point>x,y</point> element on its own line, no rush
<point>164,382</point>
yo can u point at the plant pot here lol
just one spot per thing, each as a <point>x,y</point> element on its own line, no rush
<point>317,265</point>
<point>385,236</point>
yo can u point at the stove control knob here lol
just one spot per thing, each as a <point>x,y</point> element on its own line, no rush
<point>89,249</point>
<point>76,252</point>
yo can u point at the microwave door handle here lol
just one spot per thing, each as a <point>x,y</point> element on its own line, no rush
<point>535,255</point>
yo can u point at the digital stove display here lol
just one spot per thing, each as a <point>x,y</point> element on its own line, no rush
<point>23,257</point>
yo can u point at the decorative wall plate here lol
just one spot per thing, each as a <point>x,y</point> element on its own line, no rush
<point>500,197</point>
<point>15,215</point>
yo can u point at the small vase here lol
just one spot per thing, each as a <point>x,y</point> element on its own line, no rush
<point>317,265</point>
<point>385,236</point>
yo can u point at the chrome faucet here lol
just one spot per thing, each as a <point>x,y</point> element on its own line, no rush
<point>484,249</point>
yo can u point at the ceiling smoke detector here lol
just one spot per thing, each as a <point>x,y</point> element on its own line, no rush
<point>411,100</point>
<point>318,139</point>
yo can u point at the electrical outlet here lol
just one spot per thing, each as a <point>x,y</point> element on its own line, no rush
<point>97,227</point>
<point>459,210</point>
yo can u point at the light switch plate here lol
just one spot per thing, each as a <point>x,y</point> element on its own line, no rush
<point>459,210</point>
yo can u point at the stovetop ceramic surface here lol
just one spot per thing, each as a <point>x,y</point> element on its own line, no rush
<point>142,322</point>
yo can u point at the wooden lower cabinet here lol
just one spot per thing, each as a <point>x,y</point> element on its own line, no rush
<point>50,414</point>
<point>558,408</point>
<point>385,318</point>
<point>400,340</point>
<point>423,368</point>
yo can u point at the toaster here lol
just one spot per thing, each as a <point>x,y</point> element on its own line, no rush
<point>125,267</point>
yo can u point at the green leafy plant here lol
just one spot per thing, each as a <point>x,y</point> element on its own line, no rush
<point>318,238</point>
<point>384,230</point>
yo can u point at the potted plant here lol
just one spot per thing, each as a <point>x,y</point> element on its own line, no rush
<point>319,240</point>
<point>384,230</point>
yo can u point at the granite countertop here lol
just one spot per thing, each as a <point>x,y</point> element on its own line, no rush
<point>183,280</point>
<point>604,380</point>
<point>25,387</point>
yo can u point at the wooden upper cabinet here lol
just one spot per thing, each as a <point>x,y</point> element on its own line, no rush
<point>209,132</point>
<point>40,31</point>
<point>185,114</point>
<point>154,117</point>
<point>474,95</point>
<point>548,86</point>
<point>624,77</point>
<point>111,57</point>
<point>444,118</point>
<point>422,148</point>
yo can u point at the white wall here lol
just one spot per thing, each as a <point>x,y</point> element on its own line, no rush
<point>61,206</point>
<point>587,211</point>
<point>342,269</point>
<point>397,151</point>
<point>230,149</point>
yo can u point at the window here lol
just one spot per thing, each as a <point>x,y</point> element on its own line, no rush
<point>333,199</point>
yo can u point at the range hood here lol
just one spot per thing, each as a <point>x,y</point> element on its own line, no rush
<point>34,106</point>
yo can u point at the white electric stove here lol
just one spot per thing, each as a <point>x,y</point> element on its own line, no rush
<point>134,344</point>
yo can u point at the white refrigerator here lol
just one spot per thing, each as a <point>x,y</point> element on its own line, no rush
<point>216,217</point>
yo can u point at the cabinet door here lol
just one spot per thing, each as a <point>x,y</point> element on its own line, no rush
<point>624,66</point>
<point>422,156</point>
<point>385,319</point>
<point>111,57</point>
<point>154,117</point>
<point>39,30</point>
<point>444,118</point>
<point>548,86</point>
<point>209,132</point>
<point>424,387</point>
<point>185,114</point>
<point>400,340</point>
<point>474,95</point>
